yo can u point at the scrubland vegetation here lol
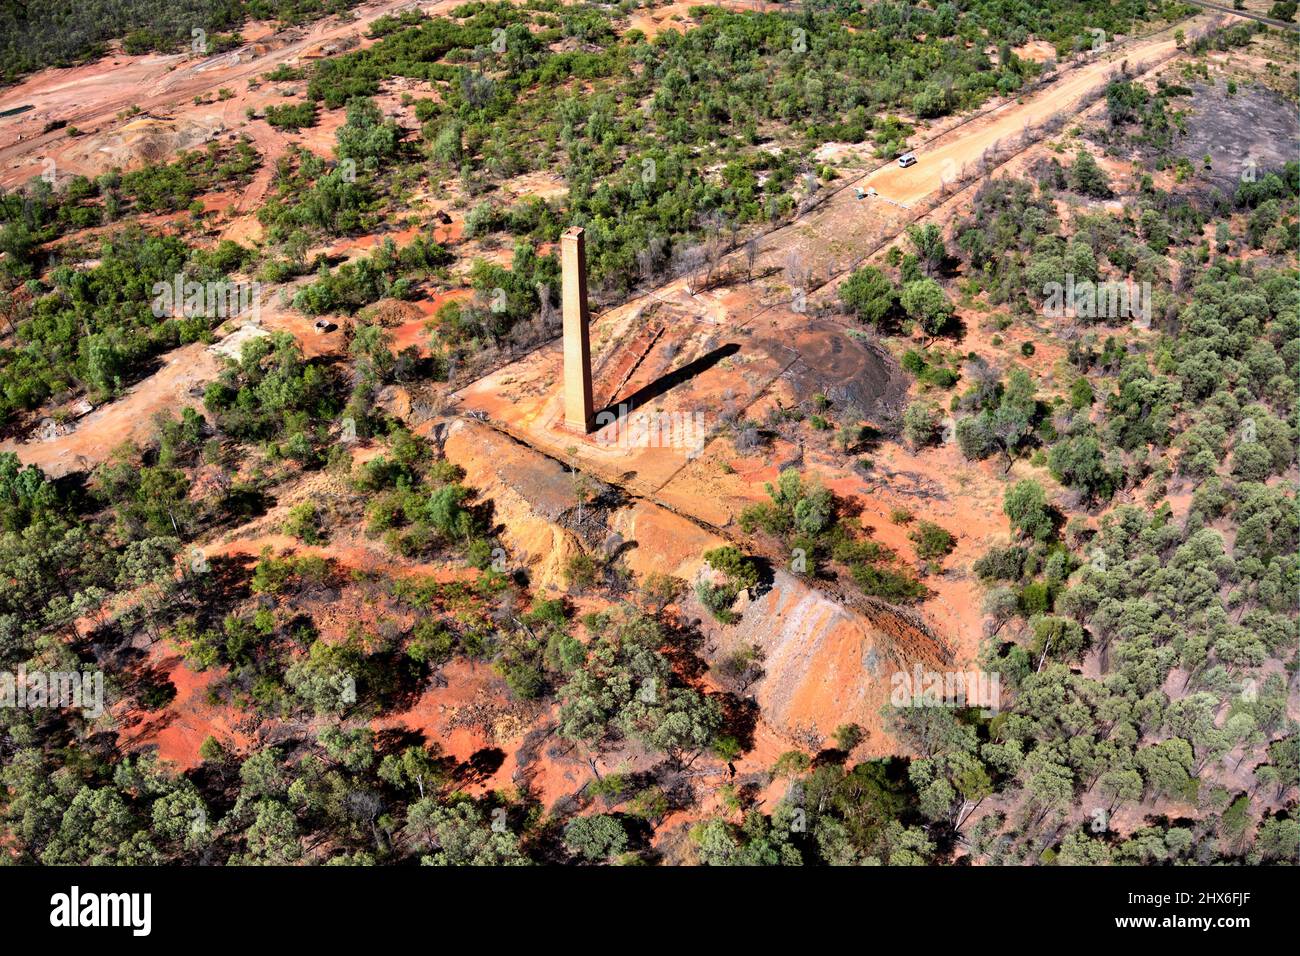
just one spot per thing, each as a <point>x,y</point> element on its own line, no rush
<point>63,32</point>
<point>1139,617</point>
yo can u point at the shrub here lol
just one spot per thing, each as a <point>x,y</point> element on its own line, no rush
<point>738,569</point>
<point>292,115</point>
<point>869,294</point>
<point>1025,504</point>
<point>931,540</point>
<point>717,600</point>
<point>594,838</point>
<point>581,571</point>
<point>304,523</point>
<point>1001,564</point>
<point>921,425</point>
<point>887,583</point>
<point>1087,177</point>
<point>1035,598</point>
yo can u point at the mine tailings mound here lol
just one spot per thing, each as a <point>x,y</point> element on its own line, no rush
<point>827,663</point>
<point>829,658</point>
<point>530,495</point>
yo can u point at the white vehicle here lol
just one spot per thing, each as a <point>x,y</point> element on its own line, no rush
<point>907,159</point>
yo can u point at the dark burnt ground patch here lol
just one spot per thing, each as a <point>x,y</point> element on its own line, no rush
<point>846,369</point>
<point>1233,129</point>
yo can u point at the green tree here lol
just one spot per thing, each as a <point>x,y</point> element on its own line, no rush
<point>1087,177</point>
<point>1077,461</point>
<point>921,425</point>
<point>596,837</point>
<point>869,294</point>
<point>1025,504</point>
<point>927,241</point>
<point>925,302</point>
<point>459,835</point>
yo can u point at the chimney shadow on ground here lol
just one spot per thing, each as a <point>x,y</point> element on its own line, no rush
<point>648,393</point>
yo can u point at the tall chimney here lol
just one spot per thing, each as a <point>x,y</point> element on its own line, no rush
<point>578,411</point>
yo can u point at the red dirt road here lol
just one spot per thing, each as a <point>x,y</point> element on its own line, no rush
<point>944,163</point>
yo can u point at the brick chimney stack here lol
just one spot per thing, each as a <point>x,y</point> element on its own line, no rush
<point>578,411</point>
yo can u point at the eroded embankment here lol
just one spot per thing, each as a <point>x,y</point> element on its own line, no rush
<point>828,658</point>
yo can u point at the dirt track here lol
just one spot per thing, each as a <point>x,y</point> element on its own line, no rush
<point>840,230</point>
<point>90,97</point>
<point>1278,24</point>
<point>128,419</point>
<point>945,163</point>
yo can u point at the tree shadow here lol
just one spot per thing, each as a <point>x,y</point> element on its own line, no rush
<point>397,681</point>
<point>480,766</point>
<point>954,329</point>
<point>393,740</point>
<point>870,439</point>
<point>766,576</point>
<point>151,687</point>
<point>224,583</point>
<point>949,267</point>
<point>640,834</point>
<point>739,718</point>
<point>682,647</point>
<point>830,756</point>
<point>74,488</point>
